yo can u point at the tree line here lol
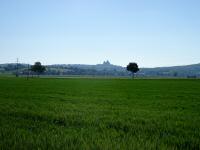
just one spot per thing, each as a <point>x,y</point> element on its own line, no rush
<point>38,68</point>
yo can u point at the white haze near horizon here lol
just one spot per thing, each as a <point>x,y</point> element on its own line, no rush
<point>152,33</point>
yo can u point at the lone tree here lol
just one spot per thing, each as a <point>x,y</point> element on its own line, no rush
<point>132,67</point>
<point>38,68</point>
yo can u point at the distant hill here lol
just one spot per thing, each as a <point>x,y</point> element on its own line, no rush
<point>175,71</point>
<point>106,69</point>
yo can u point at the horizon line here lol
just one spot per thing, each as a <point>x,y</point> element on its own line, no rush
<point>102,64</point>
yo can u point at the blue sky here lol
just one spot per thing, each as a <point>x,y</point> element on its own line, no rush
<point>149,32</point>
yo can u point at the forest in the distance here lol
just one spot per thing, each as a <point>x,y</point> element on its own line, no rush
<point>105,69</point>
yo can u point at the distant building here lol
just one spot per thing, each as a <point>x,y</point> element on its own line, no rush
<point>106,63</point>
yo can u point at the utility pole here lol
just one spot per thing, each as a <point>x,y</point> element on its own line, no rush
<point>17,72</point>
<point>28,73</point>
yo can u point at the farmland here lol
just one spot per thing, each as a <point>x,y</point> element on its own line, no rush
<point>106,114</point>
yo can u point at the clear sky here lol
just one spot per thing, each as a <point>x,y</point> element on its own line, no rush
<point>149,32</point>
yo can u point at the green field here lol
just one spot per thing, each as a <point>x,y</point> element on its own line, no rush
<point>99,114</point>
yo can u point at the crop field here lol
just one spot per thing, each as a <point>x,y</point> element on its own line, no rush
<point>99,114</point>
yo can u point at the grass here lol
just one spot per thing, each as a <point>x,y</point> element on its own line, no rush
<point>99,114</point>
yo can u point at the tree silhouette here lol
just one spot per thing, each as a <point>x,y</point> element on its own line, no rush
<point>132,67</point>
<point>38,68</point>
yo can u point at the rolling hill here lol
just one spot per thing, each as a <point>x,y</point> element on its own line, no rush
<point>107,69</point>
